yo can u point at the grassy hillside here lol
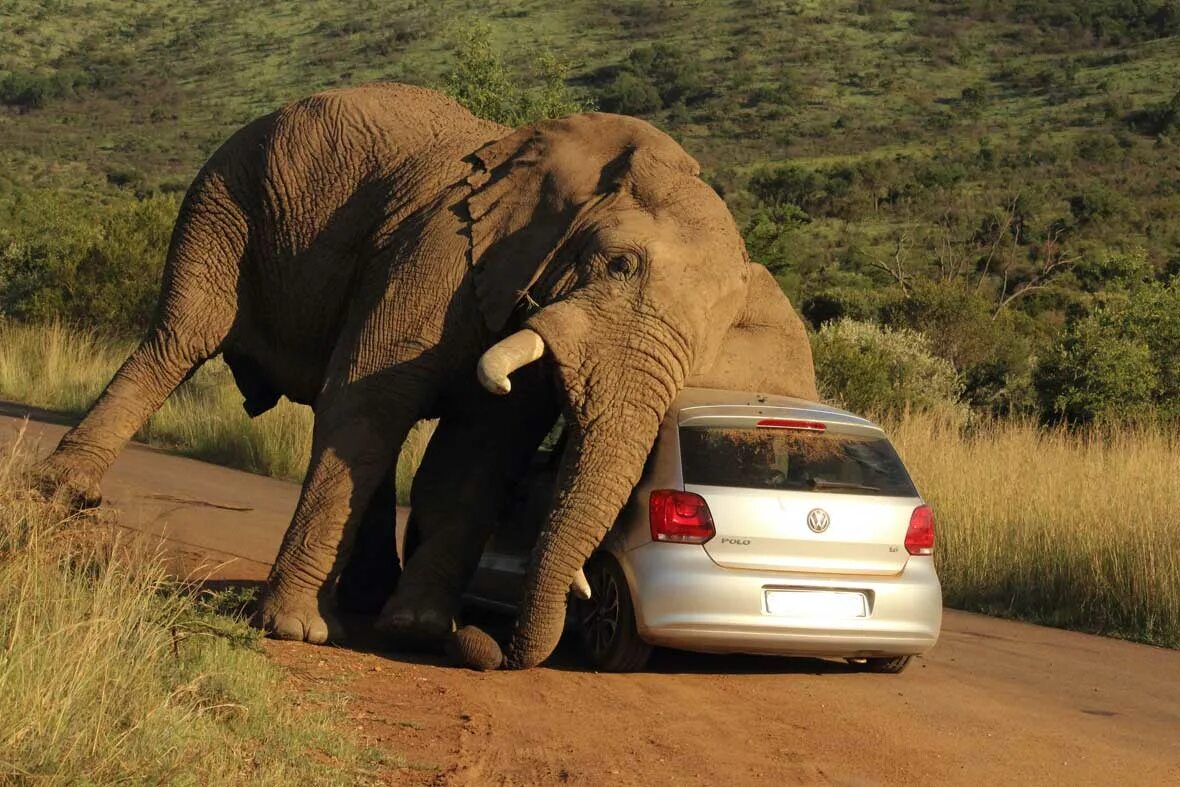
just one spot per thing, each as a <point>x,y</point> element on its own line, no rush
<point>993,173</point>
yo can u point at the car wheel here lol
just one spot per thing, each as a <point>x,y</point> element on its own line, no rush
<point>606,621</point>
<point>883,666</point>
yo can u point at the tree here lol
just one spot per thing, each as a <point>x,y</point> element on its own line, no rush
<point>1118,360</point>
<point>481,82</point>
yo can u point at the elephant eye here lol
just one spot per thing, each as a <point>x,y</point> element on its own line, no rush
<point>622,267</point>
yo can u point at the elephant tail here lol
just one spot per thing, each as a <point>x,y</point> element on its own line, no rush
<point>474,648</point>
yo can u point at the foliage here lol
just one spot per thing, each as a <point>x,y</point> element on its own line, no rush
<point>1118,361</point>
<point>652,78</point>
<point>481,82</point>
<point>66,257</point>
<point>871,369</point>
<point>1014,154</point>
<point>27,90</point>
<point>991,349</point>
<point>113,674</point>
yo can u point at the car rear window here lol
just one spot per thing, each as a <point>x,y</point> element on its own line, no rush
<point>794,460</point>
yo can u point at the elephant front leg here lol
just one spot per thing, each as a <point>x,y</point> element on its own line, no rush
<point>352,456</point>
<point>368,579</point>
<point>475,460</point>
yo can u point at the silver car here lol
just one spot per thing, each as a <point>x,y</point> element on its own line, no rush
<point>761,525</point>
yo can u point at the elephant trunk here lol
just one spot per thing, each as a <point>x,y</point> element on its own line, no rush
<point>602,463</point>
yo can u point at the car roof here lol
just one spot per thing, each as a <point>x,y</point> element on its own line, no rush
<point>704,402</point>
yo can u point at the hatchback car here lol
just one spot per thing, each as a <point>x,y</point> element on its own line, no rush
<point>762,525</point>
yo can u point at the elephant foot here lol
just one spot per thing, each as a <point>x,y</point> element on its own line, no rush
<point>421,624</point>
<point>300,618</point>
<point>56,478</point>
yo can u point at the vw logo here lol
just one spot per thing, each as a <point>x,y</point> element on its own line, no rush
<point>818,520</point>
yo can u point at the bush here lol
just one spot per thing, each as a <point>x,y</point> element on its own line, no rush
<point>630,94</point>
<point>871,369</point>
<point>90,264</point>
<point>653,78</point>
<point>28,90</point>
<point>481,82</point>
<point>991,350</point>
<point>1118,361</point>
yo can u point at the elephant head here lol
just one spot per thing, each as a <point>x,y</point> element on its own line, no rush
<point>595,244</point>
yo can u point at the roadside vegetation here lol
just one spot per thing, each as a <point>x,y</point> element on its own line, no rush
<point>113,673</point>
<point>1067,527</point>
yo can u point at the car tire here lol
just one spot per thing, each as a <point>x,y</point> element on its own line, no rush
<point>606,621</point>
<point>882,666</point>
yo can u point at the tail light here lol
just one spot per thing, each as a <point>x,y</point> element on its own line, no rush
<point>680,517</point>
<point>792,423</point>
<point>919,538</point>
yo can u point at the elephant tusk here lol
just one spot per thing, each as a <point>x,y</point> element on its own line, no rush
<point>505,357</point>
<point>581,586</point>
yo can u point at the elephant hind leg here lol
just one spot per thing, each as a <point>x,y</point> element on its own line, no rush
<point>198,306</point>
<point>138,389</point>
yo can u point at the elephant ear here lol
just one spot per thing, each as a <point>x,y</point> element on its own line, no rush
<point>528,188</point>
<point>767,350</point>
<point>517,220</point>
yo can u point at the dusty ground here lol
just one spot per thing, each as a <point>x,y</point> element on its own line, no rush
<point>995,702</point>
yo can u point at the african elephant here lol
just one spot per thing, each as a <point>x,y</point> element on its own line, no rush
<point>367,251</point>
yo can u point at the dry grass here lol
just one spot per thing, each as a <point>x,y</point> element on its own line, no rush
<point>111,673</point>
<point>65,369</point>
<point>1078,530</point>
<point>1071,529</point>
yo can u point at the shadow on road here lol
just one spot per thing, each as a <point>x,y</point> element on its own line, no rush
<point>362,638</point>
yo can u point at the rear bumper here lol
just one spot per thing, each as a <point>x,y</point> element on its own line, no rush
<point>685,600</point>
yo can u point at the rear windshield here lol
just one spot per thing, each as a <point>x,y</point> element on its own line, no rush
<point>791,459</point>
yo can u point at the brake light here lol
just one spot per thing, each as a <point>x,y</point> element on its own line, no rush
<point>792,423</point>
<point>680,517</point>
<point>919,538</point>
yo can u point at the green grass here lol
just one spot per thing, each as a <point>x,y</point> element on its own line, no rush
<point>65,369</point>
<point>112,673</point>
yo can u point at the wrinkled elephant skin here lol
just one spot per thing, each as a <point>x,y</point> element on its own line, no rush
<point>361,249</point>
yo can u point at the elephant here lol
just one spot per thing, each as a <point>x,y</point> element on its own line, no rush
<point>382,255</point>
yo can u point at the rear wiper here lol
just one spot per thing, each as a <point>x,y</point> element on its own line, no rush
<point>824,483</point>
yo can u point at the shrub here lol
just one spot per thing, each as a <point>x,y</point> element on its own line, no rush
<point>481,82</point>
<point>92,264</point>
<point>1158,119</point>
<point>871,369</point>
<point>28,90</point>
<point>1092,373</point>
<point>630,94</point>
<point>1119,359</point>
<point>652,78</point>
<point>991,350</point>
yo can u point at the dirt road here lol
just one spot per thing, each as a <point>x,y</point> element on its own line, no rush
<point>995,702</point>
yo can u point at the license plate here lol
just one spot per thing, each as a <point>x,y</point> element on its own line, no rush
<point>826,604</point>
